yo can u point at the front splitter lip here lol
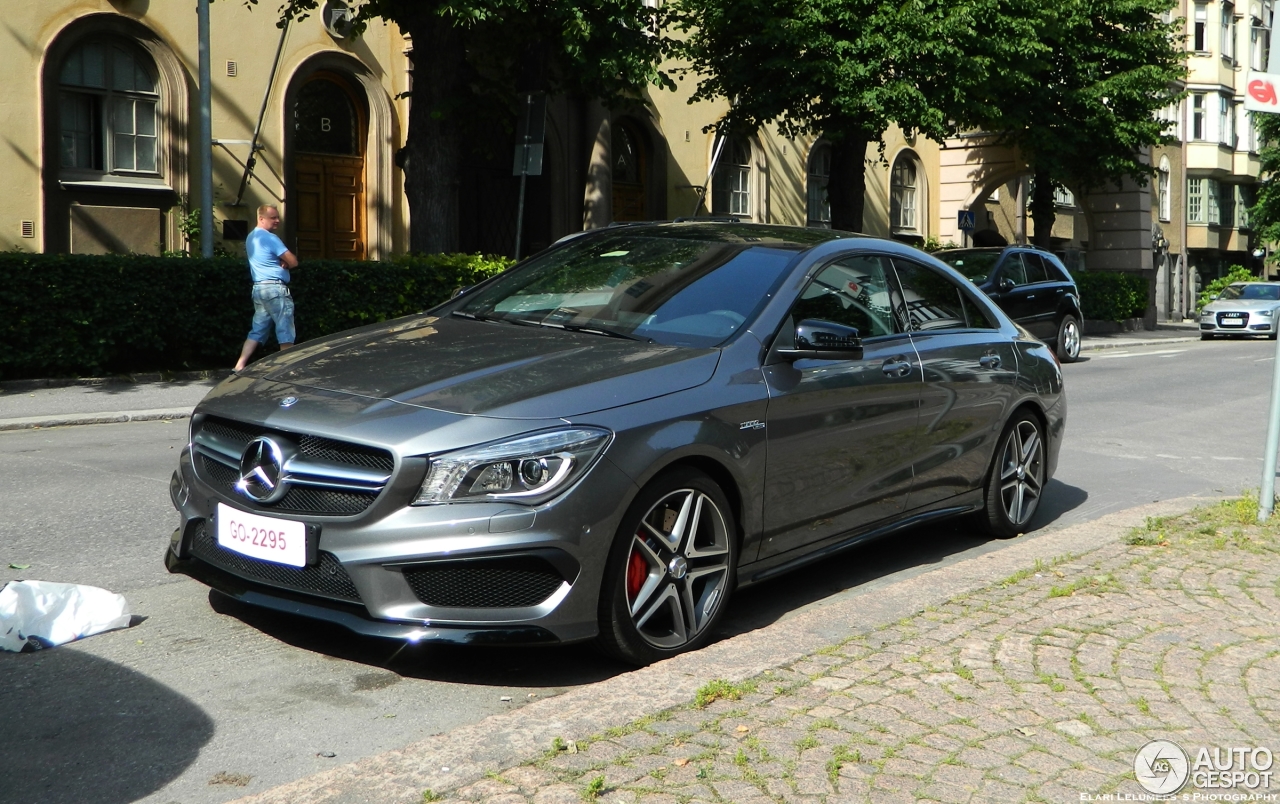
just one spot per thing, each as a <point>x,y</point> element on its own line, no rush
<point>350,616</point>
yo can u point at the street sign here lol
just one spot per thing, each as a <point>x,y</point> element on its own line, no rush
<point>964,220</point>
<point>1262,93</point>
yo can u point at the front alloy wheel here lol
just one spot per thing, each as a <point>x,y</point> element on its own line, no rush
<point>670,573</point>
<point>1017,477</point>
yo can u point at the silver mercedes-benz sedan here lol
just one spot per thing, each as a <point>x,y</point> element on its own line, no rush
<point>607,440</point>
<point>1243,308</point>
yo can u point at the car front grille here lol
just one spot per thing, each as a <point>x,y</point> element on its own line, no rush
<point>506,582</point>
<point>327,477</point>
<point>326,579</point>
<point>1233,319</point>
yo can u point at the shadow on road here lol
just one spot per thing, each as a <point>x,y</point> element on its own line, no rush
<point>79,728</point>
<point>911,551</point>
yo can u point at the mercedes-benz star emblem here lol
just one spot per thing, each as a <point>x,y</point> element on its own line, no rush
<point>288,401</point>
<point>262,476</point>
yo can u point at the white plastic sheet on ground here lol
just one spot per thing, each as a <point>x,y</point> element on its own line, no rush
<point>44,614</point>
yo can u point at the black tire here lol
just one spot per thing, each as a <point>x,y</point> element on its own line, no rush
<point>667,579</point>
<point>1068,344</point>
<point>1206,336</point>
<point>1016,479</point>
<point>1272,336</point>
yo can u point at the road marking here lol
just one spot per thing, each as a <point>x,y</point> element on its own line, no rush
<point>1140,354</point>
<point>1224,458</point>
<point>1174,457</point>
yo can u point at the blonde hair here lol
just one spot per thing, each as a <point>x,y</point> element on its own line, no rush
<point>262,210</point>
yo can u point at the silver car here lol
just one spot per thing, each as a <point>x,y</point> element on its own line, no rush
<point>1243,308</point>
<point>607,440</point>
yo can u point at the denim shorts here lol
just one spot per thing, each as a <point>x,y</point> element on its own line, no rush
<point>272,304</point>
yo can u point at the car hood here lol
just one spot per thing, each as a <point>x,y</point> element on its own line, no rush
<point>1237,305</point>
<point>490,369</point>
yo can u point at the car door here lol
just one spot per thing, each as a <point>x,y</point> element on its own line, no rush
<point>840,432</point>
<point>1011,292</point>
<point>969,372</point>
<point>1042,298</point>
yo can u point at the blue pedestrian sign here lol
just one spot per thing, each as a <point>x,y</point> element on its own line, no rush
<point>964,220</point>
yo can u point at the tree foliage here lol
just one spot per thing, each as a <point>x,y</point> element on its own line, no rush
<point>1081,103</point>
<point>844,70</point>
<point>1264,215</point>
<point>472,57</point>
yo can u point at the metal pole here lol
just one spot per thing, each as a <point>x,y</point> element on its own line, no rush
<point>1267,496</point>
<point>206,134</point>
<point>262,113</point>
<point>524,171</point>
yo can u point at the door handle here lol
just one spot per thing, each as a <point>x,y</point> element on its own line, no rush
<point>989,361</point>
<point>896,367</point>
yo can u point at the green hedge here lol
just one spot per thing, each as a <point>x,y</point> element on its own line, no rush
<point>1112,295</point>
<point>79,315</point>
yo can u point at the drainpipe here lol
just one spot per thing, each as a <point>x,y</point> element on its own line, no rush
<point>206,133</point>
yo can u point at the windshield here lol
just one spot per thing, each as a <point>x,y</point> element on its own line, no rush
<point>1268,292</point>
<point>678,291</point>
<point>975,265</point>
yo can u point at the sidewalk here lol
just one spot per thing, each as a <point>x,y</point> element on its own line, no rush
<point>1041,687</point>
<point>27,404</point>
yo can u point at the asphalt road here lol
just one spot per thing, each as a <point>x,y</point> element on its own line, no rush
<point>198,703</point>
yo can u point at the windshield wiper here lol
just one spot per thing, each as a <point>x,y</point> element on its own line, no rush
<point>590,330</point>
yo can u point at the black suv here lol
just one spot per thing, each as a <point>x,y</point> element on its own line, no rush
<point>1029,284</point>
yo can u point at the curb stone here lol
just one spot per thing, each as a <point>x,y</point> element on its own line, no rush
<point>447,762</point>
<point>39,422</point>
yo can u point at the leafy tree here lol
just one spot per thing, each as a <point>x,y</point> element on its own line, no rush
<point>846,70</point>
<point>1080,105</point>
<point>1264,215</point>
<point>471,57</point>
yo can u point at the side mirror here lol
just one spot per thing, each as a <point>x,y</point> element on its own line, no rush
<point>824,340</point>
<point>1213,297</point>
<point>1004,284</point>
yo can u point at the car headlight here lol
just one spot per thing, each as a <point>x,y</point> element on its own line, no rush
<point>528,469</point>
<point>1267,313</point>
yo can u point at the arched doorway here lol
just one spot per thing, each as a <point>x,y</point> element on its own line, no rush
<point>630,169</point>
<point>328,169</point>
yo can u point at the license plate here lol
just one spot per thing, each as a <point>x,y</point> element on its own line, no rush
<point>279,540</point>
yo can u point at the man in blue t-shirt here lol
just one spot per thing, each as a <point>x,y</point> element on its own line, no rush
<point>269,264</point>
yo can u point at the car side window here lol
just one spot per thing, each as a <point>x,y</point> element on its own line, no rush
<point>1013,270</point>
<point>1035,268</point>
<point>1056,272</point>
<point>930,299</point>
<point>853,291</point>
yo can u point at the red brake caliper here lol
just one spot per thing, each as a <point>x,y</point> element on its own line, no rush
<point>637,571</point>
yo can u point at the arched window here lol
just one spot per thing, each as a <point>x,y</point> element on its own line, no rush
<point>107,101</point>
<point>819,176</point>
<point>1163,199</point>
<point>731,188</point>
<point>904,195</point>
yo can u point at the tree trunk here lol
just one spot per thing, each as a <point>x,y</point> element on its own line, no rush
<point>1043,210</point>
<point>433,146</point>
<point>847,185</point>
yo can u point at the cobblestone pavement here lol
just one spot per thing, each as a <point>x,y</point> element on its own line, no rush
<point>1040,688</point>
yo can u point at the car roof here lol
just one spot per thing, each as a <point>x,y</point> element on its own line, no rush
<point>754,234</point>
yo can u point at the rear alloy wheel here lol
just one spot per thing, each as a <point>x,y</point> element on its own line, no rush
<point>1068,345</point>
<point>671,569</point>
<point>1016,479</point>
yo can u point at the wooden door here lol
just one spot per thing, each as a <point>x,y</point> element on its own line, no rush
<point>330,215</point>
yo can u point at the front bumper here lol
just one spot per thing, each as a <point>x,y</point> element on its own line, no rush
<point>1236,323</point>
<point>474,573</point>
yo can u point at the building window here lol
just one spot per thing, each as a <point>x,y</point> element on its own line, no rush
<point>1163,195</point>
<point>819,177</point>
<point>1200,32</point>
<point>1226,121</point>
<point>731,189</point>
<point>1214,198</point>
<point>1198,116</point>
<point>1228,32</point>
<point>1260,38</point>
<point>1245,198</point>
<point>107,107</point>
<point>1195,200</point>
<point>903,195</point>
<point>1063,197</point>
